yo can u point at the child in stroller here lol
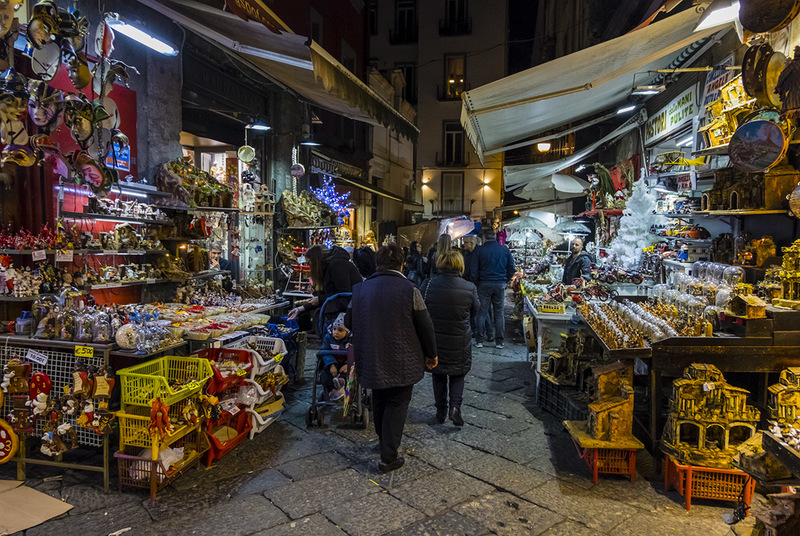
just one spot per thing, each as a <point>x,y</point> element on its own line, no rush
<point>334,371</point>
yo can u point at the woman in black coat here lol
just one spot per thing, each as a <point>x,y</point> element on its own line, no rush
<point>451,301</point>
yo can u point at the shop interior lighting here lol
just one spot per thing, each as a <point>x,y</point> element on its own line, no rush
<point>580,168</point>
<point>543,146</point>
<point>718,13</point>
<point>142,37</point>
<point>308,141</point>
<point>626,109</point>
<point>258,126</point>
<point>685,141</point>
<point>648,90</point>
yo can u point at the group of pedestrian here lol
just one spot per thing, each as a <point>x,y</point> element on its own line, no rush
<point>410,315</point>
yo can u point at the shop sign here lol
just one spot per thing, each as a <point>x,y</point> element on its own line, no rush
<point>335,168</point>
<point>255,10</point>
<point>687,182</point>
<point>120,158</point>
<point>677,113</point>
<point>714,82</point>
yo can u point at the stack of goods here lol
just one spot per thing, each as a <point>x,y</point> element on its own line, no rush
<point>305,210</point>
<point>193,186</point>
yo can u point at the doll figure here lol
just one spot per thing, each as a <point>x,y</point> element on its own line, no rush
<point>38,404</point>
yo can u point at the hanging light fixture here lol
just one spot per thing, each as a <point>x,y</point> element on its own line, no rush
<point>543,146</point>
<point>139,35</point>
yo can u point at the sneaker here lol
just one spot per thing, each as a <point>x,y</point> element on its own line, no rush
<point>478,345</point>
<point>338,383</point>
<point>387,467</point>
<point>336,394</point>
<point>499,345</point>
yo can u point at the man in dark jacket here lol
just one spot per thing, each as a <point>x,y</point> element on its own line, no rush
<point>394,341</point>
<point>492,269</point>
<point>578,264</point>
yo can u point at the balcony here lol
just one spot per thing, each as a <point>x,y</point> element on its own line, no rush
<point>403,36</point>
<point>459,26</point>
<point>448,161</point>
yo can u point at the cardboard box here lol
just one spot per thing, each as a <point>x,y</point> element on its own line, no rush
<point>23,507</point>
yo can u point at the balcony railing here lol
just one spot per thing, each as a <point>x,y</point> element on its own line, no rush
<point>452,162</point>
<point>460,26</point>
<point>403,36</point>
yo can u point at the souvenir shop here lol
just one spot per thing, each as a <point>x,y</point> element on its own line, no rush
<point>681,336</point>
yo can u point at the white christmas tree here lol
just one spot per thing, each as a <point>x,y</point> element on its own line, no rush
<point>634,227</point>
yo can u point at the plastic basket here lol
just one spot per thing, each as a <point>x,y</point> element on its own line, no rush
<point>219,382</point>
<point>138,470</point>
<point>609,461</point>
<point>284,328</point>
<point>241,422</point>
<point>693,481</point>
<point>274,345</point>
<point>134,427</point>
<point>264,415</point>
<point>154,379</point>
<point>266,394</point>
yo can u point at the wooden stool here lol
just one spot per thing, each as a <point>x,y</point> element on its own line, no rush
<point>608,457</point>
<point>707,482</point>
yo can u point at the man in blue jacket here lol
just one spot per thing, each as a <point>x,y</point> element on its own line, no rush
<point>492,268</point>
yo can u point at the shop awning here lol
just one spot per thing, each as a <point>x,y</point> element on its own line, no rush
<point>293,60</point>
<point>575,86</point>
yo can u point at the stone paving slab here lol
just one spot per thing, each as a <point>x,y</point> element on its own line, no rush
<point>494,421</point>
<point>507,515</point>
<point>314,466</point>
<point>316,525</point>
<point>439,491</point>
<point>261,481</point>
<point>590,509</point>
<point>442,452</point>
<point>517,448</point>
<point>311,495</point>
<point>572,528</point>
<point>447,523</point>
<point>413,469</point>
<point>373,515</point>
<point>649,524</point>
<point>240,517</point>
<point>88,499</point>
<point>503,474</point>
<point>96,522</point>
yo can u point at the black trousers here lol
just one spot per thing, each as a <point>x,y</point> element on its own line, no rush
<point>440,391</point>
<point>390,407</point>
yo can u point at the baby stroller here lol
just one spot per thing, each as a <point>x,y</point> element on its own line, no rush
<point>359,403</point>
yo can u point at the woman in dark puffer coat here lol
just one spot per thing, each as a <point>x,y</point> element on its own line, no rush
<point>451,301</point>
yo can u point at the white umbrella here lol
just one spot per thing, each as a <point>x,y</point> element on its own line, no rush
<point>520,237</point>
<point>554,187</point>
<point>572,227</point>
<point>527,223</point>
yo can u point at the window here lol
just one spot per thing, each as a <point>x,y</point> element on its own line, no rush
<point>455,10</point>
<point>372,18</point>
<point>348,56</point>
<point>452,193</point>
<point>316,26</point>
<point>454,74</point>
<point>453,144</point>
<point>456,18</point>
<point>405,21</point>
<point>410,74</point>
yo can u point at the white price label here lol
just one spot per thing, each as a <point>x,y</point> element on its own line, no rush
<point>150,281</point>
<point>234,410</point>
<point>109,252</point>
<point>36,357</point>
<point>709,386</point>
<point>64,255</point>
<point>39,255</point>
<point>135,252</point>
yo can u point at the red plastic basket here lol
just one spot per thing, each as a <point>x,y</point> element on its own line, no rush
<point>241,423</point>
<point>219,383</point>
<point>693,481</point>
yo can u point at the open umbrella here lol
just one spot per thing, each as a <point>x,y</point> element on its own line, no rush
<point>520,237</point>
<point>554,187</point>
<point>571,227</point>
<point>526,223</point>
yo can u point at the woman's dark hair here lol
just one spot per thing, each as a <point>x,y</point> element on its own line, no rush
<point>364,259</point>
<point>413,248</point>
<point>390,258</point>
<point>315,256</point>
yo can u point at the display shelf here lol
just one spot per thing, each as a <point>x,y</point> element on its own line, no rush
<point>87,251</point>
<point>138,189</point>
<point>120,284</point>
<point>621,353</point>
<point>685,266</point>
<point>694,241</point>
<point>755,212</point>
<point>712,151</point>
<point>309,228</point>
<point>782,451</point>
<point>111,218</point>
<point>689,216</point>
<point>205,274</point>
<point>186,208</point>
<point>243,213</point>
<point>132,353</point>
<point>19,299</point>
<point>298,295</point>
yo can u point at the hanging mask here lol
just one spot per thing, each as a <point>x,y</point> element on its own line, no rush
<point>98,177</point>
<point>45,60</point>
<point>45,104</point>
<point>104,40</point>
<point>107,73</point>
<point>51,153</point>
<point>13,103</point>
<point>73,28</point>
<point>44,25</point>
<point>22,155</point>
<point>79,118</point>
<point>77,66</point>
<point>8,10</point>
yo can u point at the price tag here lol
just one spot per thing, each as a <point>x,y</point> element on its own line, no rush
<point>36,357</point>
<point>278,358</point>
<point>709,386</point>
<point>101,285</point>
<point>241,372</point>
<point>234,410</point>
<point>84,351</point>
<point>110,252</point>
<point>39,255</point>
<point>194,384</point>
<point>150,281</point>
<point>64,255</point>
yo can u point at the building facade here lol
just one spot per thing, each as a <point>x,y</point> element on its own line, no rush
<point>433,45</point>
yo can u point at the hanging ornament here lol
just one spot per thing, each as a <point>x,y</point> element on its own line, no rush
<point>13,103</point>
<point>77,65</point>
<point>45,104</point>
<point>104,40</point>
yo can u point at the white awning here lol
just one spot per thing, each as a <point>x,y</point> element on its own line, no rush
<point>295,61</point>
<point>574,86</point>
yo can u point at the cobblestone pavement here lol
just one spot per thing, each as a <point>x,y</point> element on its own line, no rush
<point>510,470</point>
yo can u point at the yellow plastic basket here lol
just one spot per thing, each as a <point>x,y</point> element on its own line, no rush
<point>134,427</point>
<point>142,383</point>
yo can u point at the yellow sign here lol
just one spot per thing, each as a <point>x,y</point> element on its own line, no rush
<point>84,351</point>
<point>278,358</point>
<point>241,372</point>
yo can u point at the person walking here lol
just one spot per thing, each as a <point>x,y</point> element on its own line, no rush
<point>578,264</point>
<point>443,244</point>
<point>451,302</point>
<point>467,250</point>
<point>413,268</point>
<point>364,259</point>
<point>393,343</point>
<point>492,269</point>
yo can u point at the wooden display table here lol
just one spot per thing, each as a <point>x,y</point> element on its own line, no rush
<point>707,483</point>
<point>608,457</point>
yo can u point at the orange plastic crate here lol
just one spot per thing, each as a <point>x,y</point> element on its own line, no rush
<point>693,481</point>
<point>609,461</point>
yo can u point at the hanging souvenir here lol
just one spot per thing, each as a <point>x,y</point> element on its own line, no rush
<point>44,25</point>
<point>21,155</point>
<point>103,40</point>
<point>13,102</point>
<point>73,28</point>
<point>45,104</point>
<point>757,146</point>
<point>77,66</point>
<point>87,170</point>
<point>761,16</point>
<point>8,11</point>
<point>51,154</point>
<point>45,60</point>
<point>81,117</point>
<point>788,87</point>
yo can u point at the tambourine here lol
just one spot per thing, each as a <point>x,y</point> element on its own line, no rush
<point>768,69</point>
<point>762,16</point>
<point>758,146</point>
